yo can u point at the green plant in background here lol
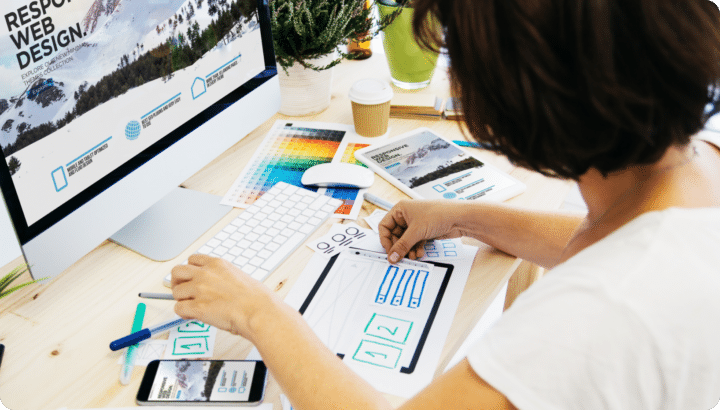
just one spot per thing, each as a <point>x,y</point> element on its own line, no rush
<point>8,279</point>
<point>307,29</point>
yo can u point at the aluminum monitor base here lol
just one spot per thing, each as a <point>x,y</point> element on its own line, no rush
<point>166,229</point>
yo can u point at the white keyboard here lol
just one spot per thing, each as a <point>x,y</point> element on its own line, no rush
<point>260,239</point>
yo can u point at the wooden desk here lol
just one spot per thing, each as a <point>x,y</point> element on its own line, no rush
<point>57,334</point>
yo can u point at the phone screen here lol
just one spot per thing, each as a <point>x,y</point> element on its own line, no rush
<point>203,381</point>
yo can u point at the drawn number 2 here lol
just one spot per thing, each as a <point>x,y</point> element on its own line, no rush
<point>392,332</point>
<point>376,354</point>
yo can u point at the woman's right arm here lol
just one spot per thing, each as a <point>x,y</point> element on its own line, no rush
<point>536,236</point>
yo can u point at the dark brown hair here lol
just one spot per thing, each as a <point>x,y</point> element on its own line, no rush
<point>562,86</point>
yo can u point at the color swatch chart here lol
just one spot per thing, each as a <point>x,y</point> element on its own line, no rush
<point>288,150</point>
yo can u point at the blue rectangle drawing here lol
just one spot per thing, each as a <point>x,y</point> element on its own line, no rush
<point>399,293</point>
<point>417,289</point>
<point>386,284</point>
<point>59,179</point>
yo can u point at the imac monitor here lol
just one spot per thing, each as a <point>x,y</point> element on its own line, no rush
<point>106,106</point>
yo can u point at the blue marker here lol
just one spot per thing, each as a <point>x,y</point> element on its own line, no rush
<point>147,333</point>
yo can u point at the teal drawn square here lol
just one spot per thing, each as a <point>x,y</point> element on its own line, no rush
<point>184,342</point>
<point>389,328</point>
<point>194,327</point>
<point>377,354</point>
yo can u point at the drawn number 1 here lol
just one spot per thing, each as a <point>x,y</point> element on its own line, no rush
<point>392,332</point>
<point>376,354</point>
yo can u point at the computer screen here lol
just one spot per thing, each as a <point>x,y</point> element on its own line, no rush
<point>91,90</point>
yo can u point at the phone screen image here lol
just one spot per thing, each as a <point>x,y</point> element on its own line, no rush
<point>202,381</point>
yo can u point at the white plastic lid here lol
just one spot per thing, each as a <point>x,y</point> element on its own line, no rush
<point>370,91</point>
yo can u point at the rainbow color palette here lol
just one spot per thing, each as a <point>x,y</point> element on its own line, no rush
<point>287,151</point>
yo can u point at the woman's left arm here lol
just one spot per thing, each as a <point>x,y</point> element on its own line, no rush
<point>217,293</point>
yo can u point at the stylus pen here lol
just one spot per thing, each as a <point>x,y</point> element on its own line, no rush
<point>148,295</point>
<point>2,351</point>
<point>378,201</point>
<point>147,333</point>
<point>471,144</point>
<point>129,362</point>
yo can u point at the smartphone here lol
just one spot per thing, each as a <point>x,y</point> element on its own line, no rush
<point>203,382</point>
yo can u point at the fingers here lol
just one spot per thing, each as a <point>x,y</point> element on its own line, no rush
<point>404,244</point>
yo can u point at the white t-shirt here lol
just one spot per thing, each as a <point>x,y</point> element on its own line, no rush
<point>631,322</point>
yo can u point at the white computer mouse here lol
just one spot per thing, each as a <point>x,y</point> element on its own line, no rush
<point>338,174</point>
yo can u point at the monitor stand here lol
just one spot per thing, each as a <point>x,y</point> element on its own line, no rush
<point>172,224</point>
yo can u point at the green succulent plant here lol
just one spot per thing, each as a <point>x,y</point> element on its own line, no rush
<point>8,279</point>
<point>307,29</point>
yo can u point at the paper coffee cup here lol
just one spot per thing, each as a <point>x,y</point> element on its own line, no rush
<point>370,99</point>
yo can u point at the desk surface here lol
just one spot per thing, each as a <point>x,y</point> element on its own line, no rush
<point>57,334</point>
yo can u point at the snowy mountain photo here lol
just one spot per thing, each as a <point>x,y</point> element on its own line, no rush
<point>125,44</point>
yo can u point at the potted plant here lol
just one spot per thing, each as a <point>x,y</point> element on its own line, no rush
<point>309,37</point>
<point>8,279</point>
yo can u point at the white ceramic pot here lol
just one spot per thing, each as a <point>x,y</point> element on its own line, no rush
<point>304,91</point>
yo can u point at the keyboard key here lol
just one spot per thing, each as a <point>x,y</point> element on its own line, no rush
<point>253,223</point>
<point>282,210</point>
<point>229,243</point>
<point>328,208</point>
<point>228,257</point>
<point>272,246</point>
<point>287,218</point>
<point>307,228</point>
<point>248,268</point>
<point>274,216</point>
<point>237,236</point>
<point>249,253</point>
<point>280,239</point>
<point>230,229</point>
<point>265,239</point>
<point>259,229</point>
<point>319,202</point>
<point>300,219</point>
<point>314,221</point>
<point>272,231</point>
<point>308,212</point>
<point>267,223</point>
<point>252,236</point>
<point>279,225</point>
<point>221,236</point>
<point>292,213</point>
<point>301,206</point>
<point>274,203</point>
<point>256,246</point>
<point>256,261</point>
<point>289,190</point>
<point>307,200</point>
<point>260,274</point>
<point>283,251</point>
<point>294,226</point>
<point>240,261</point>
<point>245,229</point>
<point>235,251</point>
<point>295,198</point>
<point>220,250</point>
<point>244,244</point>
<point>238,222</point>
<point>264,254</point>
<point>281,197</point>
<point>287,232</point>
<point>204,250</point>
<point>213,243</point>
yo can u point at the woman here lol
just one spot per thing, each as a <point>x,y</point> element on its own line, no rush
<point>610,93</point>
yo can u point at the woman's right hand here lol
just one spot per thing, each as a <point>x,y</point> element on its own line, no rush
<point>404,230</point>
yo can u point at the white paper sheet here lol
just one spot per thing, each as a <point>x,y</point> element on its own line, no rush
<point>147,351</point>
<point>191,340</point>
<point>346,315</point>
<point>339,238</point>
